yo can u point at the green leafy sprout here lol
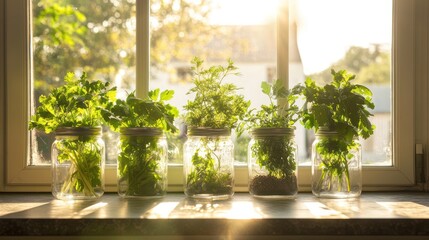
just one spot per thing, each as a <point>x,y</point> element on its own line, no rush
<point>216,105</point>
<point>77,104</point>
<point>207,177</point>
<point>274,153</point>
<point>142,166</point>
<point>84,176</point>
<point>277,114</point>
<point>141,170</point>
<point>134,112</point>
<point>342,107</point>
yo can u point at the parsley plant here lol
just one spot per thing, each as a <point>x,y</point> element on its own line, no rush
<point>142,159</point>
<point>342,107</point>
<point>77,104</point>
<point>216,105</point>
<point>273,147</point>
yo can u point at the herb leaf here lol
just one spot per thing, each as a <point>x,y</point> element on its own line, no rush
<point>342,107</point>
<point>216,104</point>
<point>273,115</point>
<point>136,112</point>
<point>78,103</point>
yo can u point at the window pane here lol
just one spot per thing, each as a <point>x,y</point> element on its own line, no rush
<point>354,35</point>
<point>97,37</point>
<point>214,31</point>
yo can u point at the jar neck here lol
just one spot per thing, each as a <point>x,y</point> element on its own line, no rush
<point>141,131</point>
<point>78,131</point>
<point>327,133</point>
<point>272,132</point>
<point>209,132</point>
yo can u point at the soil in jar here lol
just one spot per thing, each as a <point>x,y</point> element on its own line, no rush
<point>270,185</point>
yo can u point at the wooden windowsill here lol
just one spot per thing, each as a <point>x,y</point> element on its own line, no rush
<point>382,214</point>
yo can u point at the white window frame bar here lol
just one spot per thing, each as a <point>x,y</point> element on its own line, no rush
<point>15,137</point>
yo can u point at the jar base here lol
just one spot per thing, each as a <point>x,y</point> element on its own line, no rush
<point>141,197</point>
<point>70,197</point>
<point>275,197</point>
<point>337,195</point>
<point>212,197</point>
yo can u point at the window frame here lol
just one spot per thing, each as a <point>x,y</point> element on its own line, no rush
<point>15,32</point>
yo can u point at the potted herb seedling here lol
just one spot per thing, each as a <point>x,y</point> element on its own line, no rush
<point>143,156</point>
<point>272,150</point>
<point>339,114</point>
<point>73,113</point>
<point>214,111</point>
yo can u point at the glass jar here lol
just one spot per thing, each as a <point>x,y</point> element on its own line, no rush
<point>209,163</point>
<point>336,166</point>
<point>142,163</point>
<point>78,159</point>
<point>273,168</point>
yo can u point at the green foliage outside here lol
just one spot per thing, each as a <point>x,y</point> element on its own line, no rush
<point>98,37</point>
<point>342,107</point>
<point>370,65</point>
<point>216,105</point>
<point>143,155</point>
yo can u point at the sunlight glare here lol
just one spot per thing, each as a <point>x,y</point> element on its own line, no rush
<point>242,210</point>
<point>162,210</point>
<point>243,12</point>
<point>88,210</point>
<point>327,29</point>
<point>320,210</point>
<point>406,209</point>
<point>8,208</point>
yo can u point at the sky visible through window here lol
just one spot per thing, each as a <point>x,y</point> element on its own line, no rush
<point>350,22</point>
<point>328,28</point>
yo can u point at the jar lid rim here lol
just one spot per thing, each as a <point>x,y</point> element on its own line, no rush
<point>141,131</point>
<point>208,131</point>
<point>272,131</point>
<point>77,131</point>
<point>324,130</point>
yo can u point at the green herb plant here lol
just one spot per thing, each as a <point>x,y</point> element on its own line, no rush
<point>216,105</point>
<point>343,108</point>
<point>84,175</point>
<point>77,104</point>
<point>282,112</point>
<point>273,147</point>
<point>142,158</point>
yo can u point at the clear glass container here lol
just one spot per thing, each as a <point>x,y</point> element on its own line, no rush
<point>142,163</point>
<point>209,163</point>
<point>78,159</point>
<point>273,168</point>
<point>336,166</point>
